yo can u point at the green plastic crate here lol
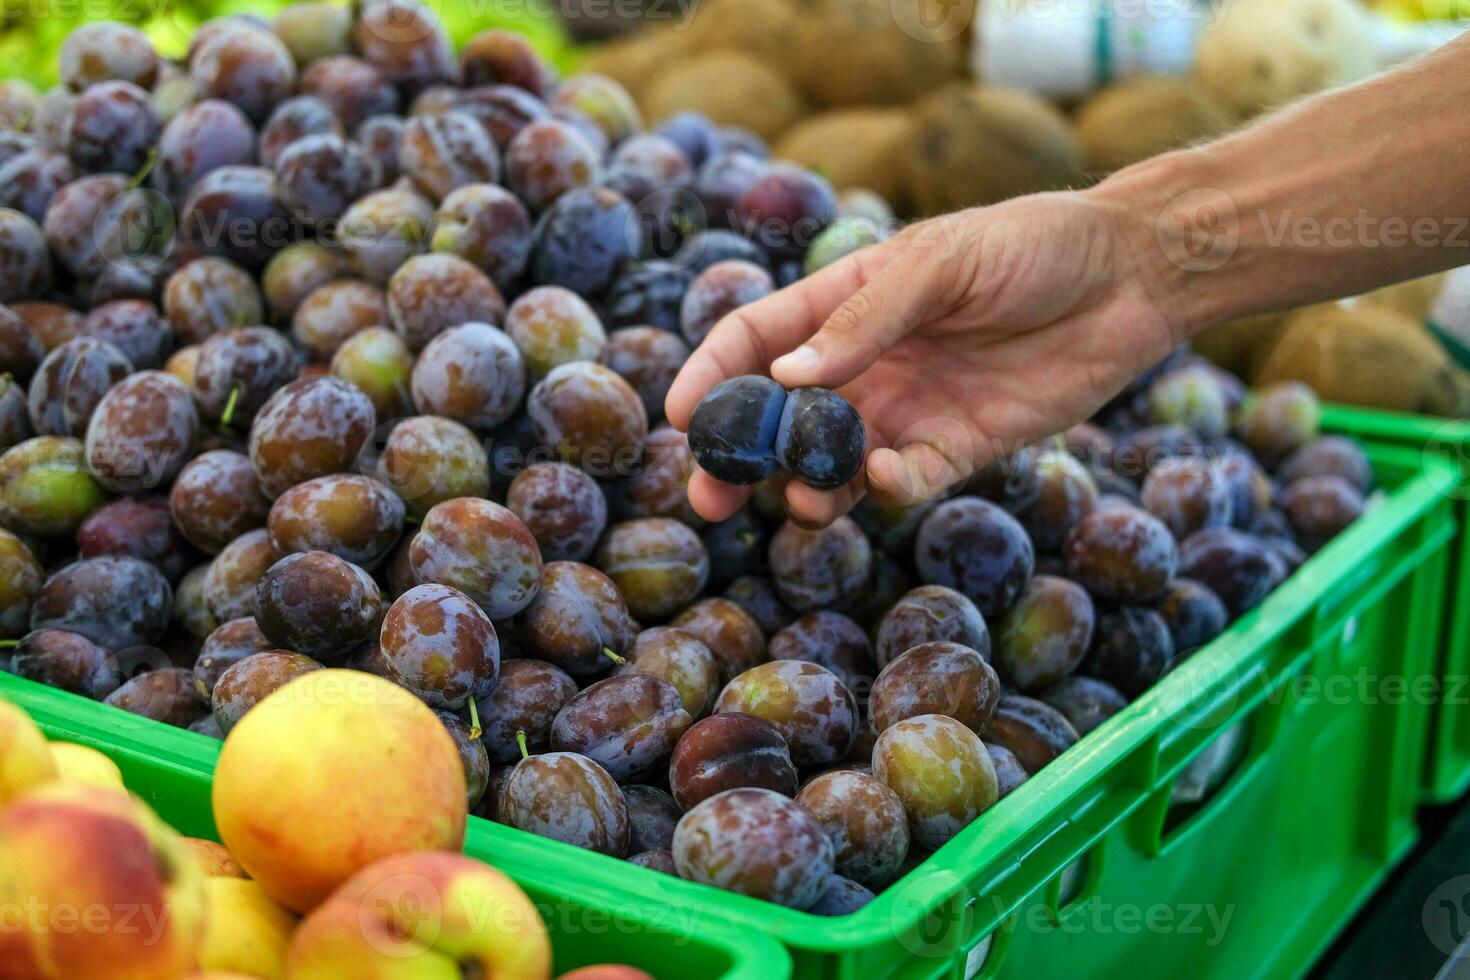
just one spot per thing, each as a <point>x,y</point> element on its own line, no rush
<point>589,923</point>
<point>1447,764</point>
<point>1317,810</point>
<point>1079,867</point>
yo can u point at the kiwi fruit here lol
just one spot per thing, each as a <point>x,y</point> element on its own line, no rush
<point>852,148</point>
<point>634,60</point>
<point>1366,354</point>
<point>1240,346</point>
<point>1415,297</point>
<point>764,29</point>
<point>976,144</point>
<point>1143,117</point>
<point>873,52</point>
<point>731,87</point>
<point>1262,54</point>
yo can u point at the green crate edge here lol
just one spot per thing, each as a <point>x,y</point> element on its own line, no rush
<point>1032,822</point>
<point>1447,759</point>
<point>172,769</point>
<point>1048,822</point>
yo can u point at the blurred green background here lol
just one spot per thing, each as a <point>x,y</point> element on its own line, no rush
<point>31,31</point>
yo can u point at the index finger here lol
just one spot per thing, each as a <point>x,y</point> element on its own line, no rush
<point>747,340</point>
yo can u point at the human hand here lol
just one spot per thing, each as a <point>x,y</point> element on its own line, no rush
<point>957,340</point>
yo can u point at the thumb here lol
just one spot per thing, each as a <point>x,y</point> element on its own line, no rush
<point>860,331</point>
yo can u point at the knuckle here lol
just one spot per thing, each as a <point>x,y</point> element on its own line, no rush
<point>851,318</point>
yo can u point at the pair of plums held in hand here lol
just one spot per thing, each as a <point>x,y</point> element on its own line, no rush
<point>748,427</point>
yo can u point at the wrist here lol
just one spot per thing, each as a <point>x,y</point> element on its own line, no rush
<point>1177,235</point>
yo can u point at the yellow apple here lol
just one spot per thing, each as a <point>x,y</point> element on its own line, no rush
<point>215,859</point>
<point>328,774</point>
<point>82,764</point>
<point>422,917</point>
<point>245,931</point>
<point>95,886</point>
<point>25,758</point>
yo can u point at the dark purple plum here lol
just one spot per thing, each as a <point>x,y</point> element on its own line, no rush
<point>755,842</point>
<point>694,134</point>
<point>582,239</point>
<point>648,294</point>
<point>976,548</point>
<point>1034,732</point>
<point>723,180</point>
<point>140,527</point>
<point>1319,508</point>
<point>317,604</point>
<point>1085,701</point>
<point>438,644</point>
<point>485,225</point>
<point>786,209</point>
<point>825,567</point>
<point>205,136</point>
<point>1122,553</point>
<point>67,661</point>
<point>628,724</point>
<point>355,90</point>
<point>648,359</point>
<point>1236,566</point>
<point>525,701</point>
<point>117,602</point>
<point>728,751</point>
<point>737,547</point>
<point>236,212</point>
<point>1131,649</point>
<point>718,291</point>
<point>546,159</point>
<point>733,429</point>
<point>820,438</point>
<point>113,126</point>
<point>1194,615</point>
<point>1329,456</point>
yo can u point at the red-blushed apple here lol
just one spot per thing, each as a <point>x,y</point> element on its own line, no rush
<point>244,929</point>
<point>329,773</point>
<point>25,758</point>
<point>94,885</point>
<point>83,764</point>
<point>421,917</point>
<point>214,859</point>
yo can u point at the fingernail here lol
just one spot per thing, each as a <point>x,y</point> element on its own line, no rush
<point>804,358</point>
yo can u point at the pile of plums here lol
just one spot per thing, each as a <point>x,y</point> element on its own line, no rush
<point>326,347</point>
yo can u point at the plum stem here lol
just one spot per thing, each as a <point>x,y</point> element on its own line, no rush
<point>144,170</point>
<point>7,644</point>
<point>475,730</point>
<point>608,652</point>
<point>748,538</point>
<point>410,519</point>
<point>521,744</point>
<point>230,403</point>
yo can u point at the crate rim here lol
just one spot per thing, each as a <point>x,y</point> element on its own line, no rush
<point>1041,800</point>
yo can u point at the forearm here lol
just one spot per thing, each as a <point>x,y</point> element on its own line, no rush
<point>1338,195</point>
